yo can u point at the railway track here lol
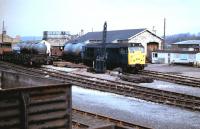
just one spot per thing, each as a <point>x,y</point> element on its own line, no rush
<point>132,90</point>
<point>95,120</point>
<point>178,79</point>
<point>126,89</point>
<point>78,116</point>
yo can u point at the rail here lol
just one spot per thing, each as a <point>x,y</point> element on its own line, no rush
<point>131,90</point>
<point>107,119</point>
<point>178,79</point>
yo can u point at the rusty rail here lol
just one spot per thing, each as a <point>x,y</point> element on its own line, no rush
<point>107,119</point>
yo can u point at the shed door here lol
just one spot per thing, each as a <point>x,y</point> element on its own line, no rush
<point>152,46</point>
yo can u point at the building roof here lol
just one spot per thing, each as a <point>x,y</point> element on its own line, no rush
<point>111,35</point>
<point>187,42</point>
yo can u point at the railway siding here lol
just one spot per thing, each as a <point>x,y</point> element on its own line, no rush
<point>178,79</point>
<point>131,90</point>
<point>45,107</point>
<point>98,120</point>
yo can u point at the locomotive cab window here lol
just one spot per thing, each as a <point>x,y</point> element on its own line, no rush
<point>133,49</point>
<point>141,49</point>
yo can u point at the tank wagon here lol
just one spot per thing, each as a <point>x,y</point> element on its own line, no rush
<point>130,57</point>
<point>72,52</point>
<point>30,54</point>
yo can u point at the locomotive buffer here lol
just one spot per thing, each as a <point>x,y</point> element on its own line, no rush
<point>100,63</point>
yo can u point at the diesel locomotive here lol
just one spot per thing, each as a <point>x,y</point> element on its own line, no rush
<point>130,57</point>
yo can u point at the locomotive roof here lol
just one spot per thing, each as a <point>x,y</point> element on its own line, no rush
<point>114,45</point>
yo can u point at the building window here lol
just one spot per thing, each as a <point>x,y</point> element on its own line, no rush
<point>155,55</point>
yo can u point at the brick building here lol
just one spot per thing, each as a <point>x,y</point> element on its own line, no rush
<point>6,42</point>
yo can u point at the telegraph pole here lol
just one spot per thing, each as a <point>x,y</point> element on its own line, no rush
<point>3,32</point>
<point>164,38</point>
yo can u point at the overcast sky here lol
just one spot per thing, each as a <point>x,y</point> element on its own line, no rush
<point>32,17</point>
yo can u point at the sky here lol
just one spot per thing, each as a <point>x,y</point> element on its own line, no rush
<point>32,17</point>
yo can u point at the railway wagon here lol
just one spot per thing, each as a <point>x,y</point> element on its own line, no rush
<point>72,52</point>
<point>30,54</point>
<point>5,47</point>
<point>130,57</point>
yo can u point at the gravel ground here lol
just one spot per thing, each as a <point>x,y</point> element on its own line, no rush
<point>137,111</point>
<point>178,69</point>
<point>60,68</point>
<point>167,86</point>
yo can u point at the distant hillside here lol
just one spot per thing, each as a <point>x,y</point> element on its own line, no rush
<point>182,37</point>
<point>31,38</point>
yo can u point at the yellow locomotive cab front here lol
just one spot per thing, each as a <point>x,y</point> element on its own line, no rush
<point>136,57</point>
